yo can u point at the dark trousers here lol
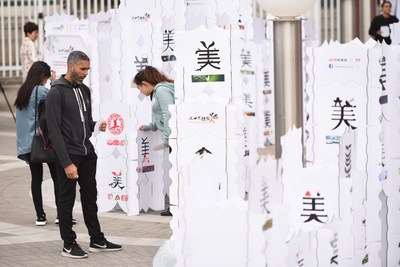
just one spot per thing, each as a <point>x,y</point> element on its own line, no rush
<point>88,190</point>
<point>36,185</point>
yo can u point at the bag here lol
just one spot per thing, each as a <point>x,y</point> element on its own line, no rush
<point>41,150</point>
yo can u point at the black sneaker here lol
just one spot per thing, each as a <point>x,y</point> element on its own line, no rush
<point>103,246</point>
<point>41,220</point>
<point>57,221</point>
<point>74,251</point>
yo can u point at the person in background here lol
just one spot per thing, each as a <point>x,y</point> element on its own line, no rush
<point>28,51</point>
<point>25,105</point>
<point>153,83</point>
<point>380,25</point>
<point>70,125</point>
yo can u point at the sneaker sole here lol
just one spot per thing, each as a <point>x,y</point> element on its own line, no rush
<point>73,222</point>
<point>65,254</point>
<point>95,250</point>
<point>40,223</point>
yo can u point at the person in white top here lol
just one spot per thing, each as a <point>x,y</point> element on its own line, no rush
<point>28,51</point>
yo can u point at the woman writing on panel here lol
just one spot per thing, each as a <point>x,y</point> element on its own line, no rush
<point>153,83</point>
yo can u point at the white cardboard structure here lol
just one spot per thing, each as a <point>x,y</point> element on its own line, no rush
<point>341,209</point>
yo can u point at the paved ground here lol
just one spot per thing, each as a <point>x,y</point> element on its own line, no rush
<point>24,244</point>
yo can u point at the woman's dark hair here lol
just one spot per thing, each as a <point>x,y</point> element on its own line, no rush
<point>386,2</point>
<point>30,27</point>
<point>151,75</point>
<point>38,71</point>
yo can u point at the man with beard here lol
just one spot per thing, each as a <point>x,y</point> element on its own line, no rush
<point>70,125</point>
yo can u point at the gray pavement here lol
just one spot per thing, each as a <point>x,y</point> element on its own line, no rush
<point>24,244</point>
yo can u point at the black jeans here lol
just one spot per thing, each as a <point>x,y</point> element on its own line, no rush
<point>36,185</point>
<point>88,190</point>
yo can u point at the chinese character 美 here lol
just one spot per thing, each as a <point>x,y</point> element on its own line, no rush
<point>141,64</point>
<point>314,213</point>
<point>345,113</point>
<point>247,100</point>
<point>208,56</point>
<point>168,39</point>
<point>246,58</point>
<point>145,149</point>
<point>117,180</point>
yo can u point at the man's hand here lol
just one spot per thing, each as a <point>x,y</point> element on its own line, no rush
<point>141,128</point>
<point>103,126</point>
<point>72,172</point>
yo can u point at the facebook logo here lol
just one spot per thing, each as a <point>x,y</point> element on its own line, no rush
<point>331,66</point>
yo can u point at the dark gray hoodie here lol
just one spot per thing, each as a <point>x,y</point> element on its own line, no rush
<point>69,119</point>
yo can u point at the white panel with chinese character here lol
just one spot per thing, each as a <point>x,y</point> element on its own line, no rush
<point>207,65</point>
<point>337,107</point>
<point>265,188</point>
<point>111,184</point>
<point>119,124</point>
<point>265,96</point>
<point>173,20</point>
<point>150,171</point>
<point>339,97</point>
<point>311,193</point>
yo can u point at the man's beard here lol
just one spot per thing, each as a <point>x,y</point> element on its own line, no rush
<point>76,79</point>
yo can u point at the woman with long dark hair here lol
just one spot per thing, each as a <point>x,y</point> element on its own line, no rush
<point>160,88</point>
<point>25,105</point>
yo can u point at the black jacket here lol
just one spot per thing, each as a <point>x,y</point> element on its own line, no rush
<point>376,24</point>
<point>69,119</point>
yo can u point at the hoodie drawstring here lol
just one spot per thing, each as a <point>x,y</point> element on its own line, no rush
<point>81,102</point>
